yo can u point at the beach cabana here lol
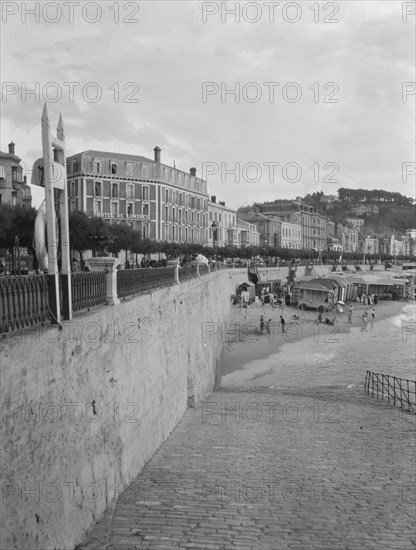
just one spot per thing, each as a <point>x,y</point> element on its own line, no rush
<point>249,287</point>
<point>311,294</point>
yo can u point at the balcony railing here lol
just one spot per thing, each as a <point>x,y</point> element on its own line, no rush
<point>23,302</point>
<point>397,391</point>
<point>134,281</point>
<point>89,288</point>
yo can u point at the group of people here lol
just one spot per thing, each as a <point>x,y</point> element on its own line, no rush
<point>267,325</point>
<point>367,299</point>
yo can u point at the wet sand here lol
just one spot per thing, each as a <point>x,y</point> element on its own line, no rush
<point>309,354</point>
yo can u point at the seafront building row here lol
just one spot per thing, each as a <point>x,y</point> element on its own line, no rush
<point>168,204</point>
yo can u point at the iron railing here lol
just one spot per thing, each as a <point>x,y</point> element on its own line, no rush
<point>134,281</point>
<point>23,302</point>
<point>397,391</point>
<point>89,288</point>
<point>203,269</point>
<point>188,272</point>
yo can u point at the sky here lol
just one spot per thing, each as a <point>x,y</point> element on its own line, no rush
<point>268,100</point>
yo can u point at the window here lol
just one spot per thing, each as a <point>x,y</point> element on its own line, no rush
<point>145,193</point>
<point>98,208</point>
<point>210,216</point>
<point>129,191</point>
<point>130,169</point>
<point>97,189</point>
<point>114,209</point>
<point>130,208</point>
<point>114,191</point>
<point>113,168</point>
<point>166,212</point>
<point>145,209</point>
<point>180,199</point>
<point>173,215</point>
<point>145,231</point>
<point>166,195</point>
<point>186,215</point>
<point>180,215</point>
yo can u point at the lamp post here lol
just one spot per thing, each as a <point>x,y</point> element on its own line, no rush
<point>215,239</point>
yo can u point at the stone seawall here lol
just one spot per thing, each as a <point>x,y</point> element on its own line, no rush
<point>83,409</point>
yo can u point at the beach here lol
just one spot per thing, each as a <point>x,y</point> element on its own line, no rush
<point>309,354</point>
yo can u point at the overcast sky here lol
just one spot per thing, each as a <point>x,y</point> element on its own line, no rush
<point>338,108</point>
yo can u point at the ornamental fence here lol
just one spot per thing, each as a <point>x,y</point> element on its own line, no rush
<point>134,281</point>
<point>24,299</point>
<point>23,302</point>
<point>89,289</point>
<point>398,391</point>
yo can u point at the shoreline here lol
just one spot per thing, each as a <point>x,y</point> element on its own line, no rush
<point>318,347</point>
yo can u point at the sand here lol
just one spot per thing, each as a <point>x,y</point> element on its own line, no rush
<point>309,354</point>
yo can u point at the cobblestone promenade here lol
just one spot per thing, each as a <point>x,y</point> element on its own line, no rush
<point>323,468</point>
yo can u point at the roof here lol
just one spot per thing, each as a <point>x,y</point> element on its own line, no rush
<point>310,285</point>
<point>119,156</point>
<point>247,283</point>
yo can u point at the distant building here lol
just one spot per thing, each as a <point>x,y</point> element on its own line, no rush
<point>164,203</point>
<point>13,187</point>
<point>410,233</point>
<point>370,245</point>
<point>222,224</point>
<point>269,227</point>
<point>364,209</point>
<point>247,233</point>
<point>313,223</point>
<point>291,235</point>
<point>357,222</point>
<point>342,235</point>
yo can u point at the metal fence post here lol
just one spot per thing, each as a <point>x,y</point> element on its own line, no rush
<point>176,274</point>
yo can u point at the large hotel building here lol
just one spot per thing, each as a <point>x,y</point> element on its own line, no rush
<point>162,202</point>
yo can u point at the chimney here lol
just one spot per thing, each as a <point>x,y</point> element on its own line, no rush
<point>157,154</point>
<point>213,198</point>
<point>11,148</point>
<point>222,203</point>
<point>192,171</point>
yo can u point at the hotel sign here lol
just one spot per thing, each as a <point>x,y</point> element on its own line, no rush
<point>138,217</point>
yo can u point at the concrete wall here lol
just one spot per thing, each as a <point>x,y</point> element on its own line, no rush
<point>83,409</point>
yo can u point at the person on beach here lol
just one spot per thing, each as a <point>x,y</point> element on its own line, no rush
<point>282,322</point>
<point>350,316</point>
<point>320,317</point>
<point>364,317</point>
<point>268,326</point>
<point>373,314</point>
<point>261,323</point>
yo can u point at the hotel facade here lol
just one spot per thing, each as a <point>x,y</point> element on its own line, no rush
<point>160,201</point>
